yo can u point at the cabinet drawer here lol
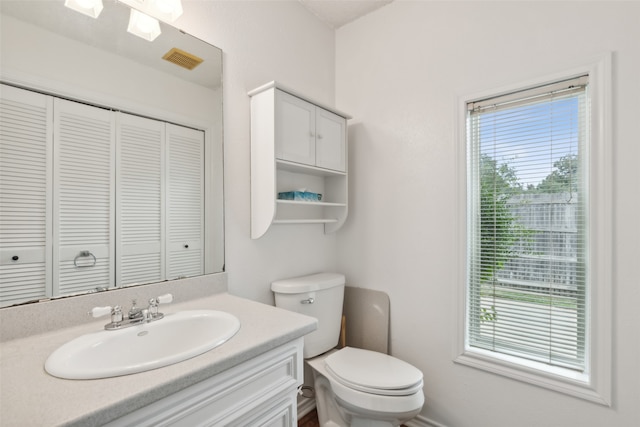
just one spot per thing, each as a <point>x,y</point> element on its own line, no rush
<point>227,397</point>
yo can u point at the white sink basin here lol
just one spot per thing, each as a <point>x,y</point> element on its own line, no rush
<point>139,348</point>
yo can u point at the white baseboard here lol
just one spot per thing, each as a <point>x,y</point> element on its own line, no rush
<point>305,406</point>
<point>421,421</point>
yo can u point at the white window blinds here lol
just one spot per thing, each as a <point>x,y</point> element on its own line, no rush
<point>527,192</point>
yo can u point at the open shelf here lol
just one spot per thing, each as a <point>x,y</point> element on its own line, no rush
<point>303,203</point>
<point>286,165</point>
<point>306,221</point>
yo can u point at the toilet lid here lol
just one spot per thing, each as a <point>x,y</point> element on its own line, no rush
<point>374,372</point>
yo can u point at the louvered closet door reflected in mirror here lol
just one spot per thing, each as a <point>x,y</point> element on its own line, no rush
<point>160,193</point>
<point>185,196</point>
<point>83,197</point>
<point>90,198</point>
<point>140,200</point>
<point>26,120</point>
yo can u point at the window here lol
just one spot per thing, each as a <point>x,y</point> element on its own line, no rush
<point>526,251</point>
<point>533,283</point>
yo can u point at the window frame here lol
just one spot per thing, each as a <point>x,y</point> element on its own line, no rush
<point>594,384</point>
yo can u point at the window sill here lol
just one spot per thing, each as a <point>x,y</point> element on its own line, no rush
<point>562,380</point>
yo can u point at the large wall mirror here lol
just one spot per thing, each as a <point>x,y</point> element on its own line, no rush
<point>111,156</point>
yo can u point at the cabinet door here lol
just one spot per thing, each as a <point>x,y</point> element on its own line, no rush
<point>274,413</point>
<point>83,206</point>
<point>295,129</point>
<point>330,140</point>
<point>259,392</point>
<point>25,195</point>
<point>185,195</point>
<point>140,235</point>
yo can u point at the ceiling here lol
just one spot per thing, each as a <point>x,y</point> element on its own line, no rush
<point>337,13</point>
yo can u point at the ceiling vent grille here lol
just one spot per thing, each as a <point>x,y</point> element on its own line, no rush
<point>182,58</point>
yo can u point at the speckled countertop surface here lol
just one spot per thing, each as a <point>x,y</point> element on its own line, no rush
<point>31,397</point>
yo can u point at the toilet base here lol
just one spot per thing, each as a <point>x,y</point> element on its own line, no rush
<point>335,412</point>
<point>374,418</point>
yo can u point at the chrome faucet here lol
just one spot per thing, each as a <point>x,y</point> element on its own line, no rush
<point>135,313</point>
<point>135,316</point>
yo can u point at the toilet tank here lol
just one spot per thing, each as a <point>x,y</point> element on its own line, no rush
<point>317,295</point>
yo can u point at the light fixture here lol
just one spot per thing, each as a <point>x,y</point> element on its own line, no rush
<point>143,25</point>
<point>168,9</point>
<point>90,8</point>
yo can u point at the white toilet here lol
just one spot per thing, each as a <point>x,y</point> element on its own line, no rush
<point>354,387</point>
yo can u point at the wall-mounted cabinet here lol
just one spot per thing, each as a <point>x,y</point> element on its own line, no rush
<point>296,144</point>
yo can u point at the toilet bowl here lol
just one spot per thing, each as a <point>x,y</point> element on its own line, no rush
<point>368,388</point>
<point>354,387</point>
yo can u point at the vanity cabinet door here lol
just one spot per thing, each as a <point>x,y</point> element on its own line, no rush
<point>140,235</point>
<point>295,129</point>
<point>259,392</point>
<point>274,413</point>
<point>84,196</point>
<point>185,195</point>
<point>26,120</point>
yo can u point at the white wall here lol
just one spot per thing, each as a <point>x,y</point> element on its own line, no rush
<point>47,61</point>
<point>398,72</point>
<point>264,41</point>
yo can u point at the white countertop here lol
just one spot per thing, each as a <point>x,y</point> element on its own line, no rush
<point>31,397</point>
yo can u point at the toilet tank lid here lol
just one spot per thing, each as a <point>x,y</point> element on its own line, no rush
<point>313,282</point>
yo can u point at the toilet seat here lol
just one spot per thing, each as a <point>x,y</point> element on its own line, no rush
<point>372,372</point>
<point>370,405</point>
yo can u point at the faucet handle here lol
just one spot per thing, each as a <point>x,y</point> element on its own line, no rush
<point>100,311</point>
<point>153,305</point>
<point>115,311</point>
<point>164,299</point>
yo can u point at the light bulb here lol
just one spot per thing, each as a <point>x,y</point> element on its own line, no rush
<point>143,25</point>
<point>90,8</point>
<point>88,3</point>
<point>172,9</point>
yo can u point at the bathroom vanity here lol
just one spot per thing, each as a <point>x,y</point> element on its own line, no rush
<point>249,380</point>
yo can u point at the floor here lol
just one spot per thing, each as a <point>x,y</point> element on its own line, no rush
<point>311,420</point>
